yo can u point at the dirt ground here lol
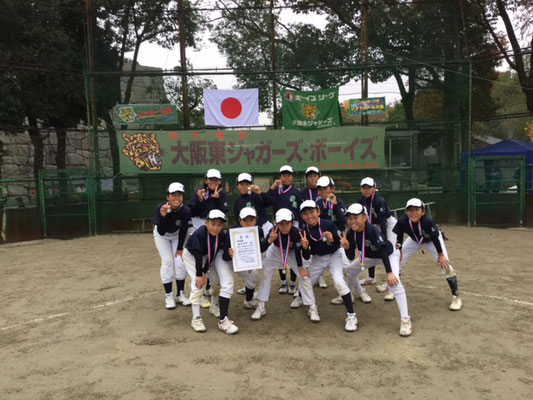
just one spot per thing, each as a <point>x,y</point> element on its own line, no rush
<point>85,319</point>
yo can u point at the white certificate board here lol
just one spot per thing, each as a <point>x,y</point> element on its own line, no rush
<point>245,243</point>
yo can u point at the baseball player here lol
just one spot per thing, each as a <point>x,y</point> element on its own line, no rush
<point>366,244</point>
<point>312,174</point>
<point>284,250</point>
<point>286,196</point>
<point>171,221</point>
<point>423,234</point>
<point>252,196</point>
<point>379,215</point>
<point>247,217</point>
<point>320,242</point>
<point>209,197</point>
<point>203,259</point>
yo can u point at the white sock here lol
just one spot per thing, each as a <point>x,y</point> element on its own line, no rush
<point>351,314</point>
<point>168,294</point>
<point>214,300</point>
<point>195,310</point>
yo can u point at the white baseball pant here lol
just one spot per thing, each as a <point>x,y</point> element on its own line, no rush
<point>409,247</point>
<point>271,263</point>
<point>172,268</point>
<point>220,272</point>
<point>333,262</point>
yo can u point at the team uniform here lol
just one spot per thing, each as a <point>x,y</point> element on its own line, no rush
<point>327,255</point>
<point>200,209</point>
<point>285,250</point>
<point>170,233</point>
<point>425,235</point>
<point>368,249</point>
<point>260,203</point>
<point>379,215</point>
<point>286,197</point>
<point>203,255</point>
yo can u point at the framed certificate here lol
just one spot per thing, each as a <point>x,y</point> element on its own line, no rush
<point>245,243</point>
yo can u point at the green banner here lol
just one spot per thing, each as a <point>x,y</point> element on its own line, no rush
<point>310,110</point>
<point>147,114</point>
<point>374,105</point>
<point>254,151</point>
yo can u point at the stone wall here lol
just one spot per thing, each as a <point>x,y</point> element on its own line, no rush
<point>16,162</point>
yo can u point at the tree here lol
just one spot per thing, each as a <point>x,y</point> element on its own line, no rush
<point>516,58</point>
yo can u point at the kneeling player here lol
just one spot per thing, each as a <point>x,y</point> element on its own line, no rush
<point>320,243</point>
<point>203,260</point>
<point>286,250</point>
<point>247,218</point>
<point>373,249</point>
<point>425,235</point>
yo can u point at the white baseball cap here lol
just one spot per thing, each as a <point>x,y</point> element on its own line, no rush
<point>368,181</point>
<point>283,214</point>
<point>356,209</point>
<point>312,169</point>
<point>213,173</point>
<point>324,181</point>
<point>175,187</point>
<point>216,214</point>
<point>414,202</point>
<point>308,204</point>
<point>286,168</point>
<point>244,177</point>
<point>247,212</point>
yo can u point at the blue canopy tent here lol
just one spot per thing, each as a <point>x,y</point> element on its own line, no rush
<point>510,147</point>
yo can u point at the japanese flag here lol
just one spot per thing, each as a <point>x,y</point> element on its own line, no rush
<point>231,107</point>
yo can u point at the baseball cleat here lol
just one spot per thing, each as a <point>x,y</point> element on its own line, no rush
<point>457,303</point>
<point>389,296</point>
<point>242,291</point>
<point>227,326</point>
<point>292,288</point>
<point>297,302</point>
<point>283,288</point>
<point>367,281</point>
<point>197,324</point>
<point>351,323</point>
<point>214,310</point>
<point>365,298</point>
<point>382,287</point>
<point>322,282</point>
<point>259,312</point>
<point>406,328</point>
<point>170,303</point>
<point>183,300</point>
<point>313,314</point>
<point>252,304</point>
<point>338,300</point>
<point>205,302</point>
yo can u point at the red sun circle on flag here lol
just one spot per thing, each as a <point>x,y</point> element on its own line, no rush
<point>231,108</point>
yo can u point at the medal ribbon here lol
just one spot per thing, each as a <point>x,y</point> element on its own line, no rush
<point>311,194</point>
<point>362,252</point>
<point>327,204</point>
<point>284,257</point>
<point>319,229</point>
<point>419,241</point>
<point>281,190</point>
<point>209,257</point>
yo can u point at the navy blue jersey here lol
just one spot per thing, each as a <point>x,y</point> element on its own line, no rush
<point>258,202</point>
<point>376,246</point>
<point>294,244</point>
<point>334,213</point>
<point>422,232</point>
<point>263,242</point>
<point>200,209</point>
<point>174,221</point>
<point>378,211</point>
<point>317,244</point>
<point>286,197</point>
<point>309,194</point>
<point>199,248</point>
